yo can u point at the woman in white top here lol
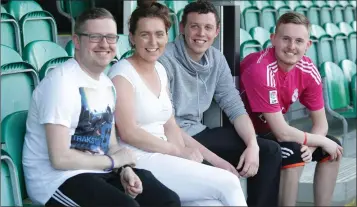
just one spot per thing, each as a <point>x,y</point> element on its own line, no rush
<point>146,124</point>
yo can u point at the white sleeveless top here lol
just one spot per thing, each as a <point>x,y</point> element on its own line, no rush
<point>151,112</point>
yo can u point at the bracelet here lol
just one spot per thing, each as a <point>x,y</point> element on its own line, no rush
<point>112,165</point>
<point>305,138</point>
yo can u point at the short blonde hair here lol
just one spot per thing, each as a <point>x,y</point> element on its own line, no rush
<point>293,18</point>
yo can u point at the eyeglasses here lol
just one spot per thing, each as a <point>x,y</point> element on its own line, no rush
<point>96,38</point>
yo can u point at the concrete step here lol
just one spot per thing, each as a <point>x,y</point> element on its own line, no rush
<point>345,190</point>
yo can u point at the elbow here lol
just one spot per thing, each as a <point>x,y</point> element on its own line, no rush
<point>282,134</point>
<point>126,134</point>
<point>59,162</point>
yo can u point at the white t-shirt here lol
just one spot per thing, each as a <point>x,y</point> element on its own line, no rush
<point>151,112</point>
<point>69,97</point>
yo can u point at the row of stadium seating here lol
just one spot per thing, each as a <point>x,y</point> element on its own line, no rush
<point>265,13</point>
<point>19,20</point>
<point>338,42</point>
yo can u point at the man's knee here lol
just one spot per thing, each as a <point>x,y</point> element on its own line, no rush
<point>334,139</point>
<point>269,150</point>
<point>291,155</point>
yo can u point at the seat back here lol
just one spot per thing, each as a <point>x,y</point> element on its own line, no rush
<point>325,44</point>
<point>18,80</point>
<point>3,10</point>
<point>349,69</point>
<point>337,86</point>
<point>313,52</point>
<point>313,12</point>
<point>243,36</point>
<point>353,25</point>
<point>40,21</point>
<point>176,6</point>
<point>20,8</point>
<point>249,46</point>
<point>268,14</point>
<point>341,41</point>
<point>39,52</point>
<point>326,12</point>
<point>337,11</point>
<point>345,28</point>
<point>123,45</point>
<point>280,6</point>
<point>51,64</point>
<point>10,32</point>
<point>13,129</point>
<point>260,34</point>
<point>70,49</point>
<point>10,189</point>
<point>9,55</point>
<point>250,14</point>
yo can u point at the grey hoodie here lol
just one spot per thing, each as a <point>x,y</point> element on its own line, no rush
<point>193,85</point>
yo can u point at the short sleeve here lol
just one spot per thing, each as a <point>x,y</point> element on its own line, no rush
<point>312,97</point>
<point>123,68</point>
<point>260,91</point>
<point>56,101</point>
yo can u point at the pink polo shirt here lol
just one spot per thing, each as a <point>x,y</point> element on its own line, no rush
<point>266,88</point>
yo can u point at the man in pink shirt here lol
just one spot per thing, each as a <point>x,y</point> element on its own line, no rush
<point>272,80</point>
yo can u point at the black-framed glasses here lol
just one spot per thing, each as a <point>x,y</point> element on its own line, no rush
<point>96,38</point>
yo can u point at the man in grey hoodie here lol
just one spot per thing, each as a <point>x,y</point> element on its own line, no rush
<point>197,73</point>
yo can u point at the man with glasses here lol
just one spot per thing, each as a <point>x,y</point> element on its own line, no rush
<point>71,156</point>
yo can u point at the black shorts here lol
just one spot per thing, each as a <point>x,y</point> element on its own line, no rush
<point>291,154</point>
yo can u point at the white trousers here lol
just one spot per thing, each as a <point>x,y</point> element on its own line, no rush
<point>196,184</point>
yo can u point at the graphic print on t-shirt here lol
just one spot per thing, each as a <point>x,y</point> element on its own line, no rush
<point>95,121</point>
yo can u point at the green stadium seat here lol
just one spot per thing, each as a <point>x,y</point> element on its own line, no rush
<point>40,21</point>
<point>337,11</point>
<point>127,54</point>
<point>326,12</point>
<point>123,45</point>
<point>250,15</point>
<point>336,90</point>
<point>247,44</point>
<point>353,25</point>
<point>72,9</point>
<point>70,49</point>
<point>325,44</point>
<point>313,12</point>
<point>352,36</point>
<point>18,9</point>
<point>349,69</point>
<point>3,10</point>
<point>51,64</point>
<point>268,13</point>
<point>313,52</point>
<point>39,52</point>
<point>280,6</point>
<point>298,7</point>
<point>10,190</point>
<point>10,32</point>
<point>261,35</point>
<point>272,30</point>
<point>176,6</point>
<point>345,28</point>
<point>340,41</point>
<point>13,129</point>
<point>18,80</point>
<point>349,11</point>
<point>9,55</point>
